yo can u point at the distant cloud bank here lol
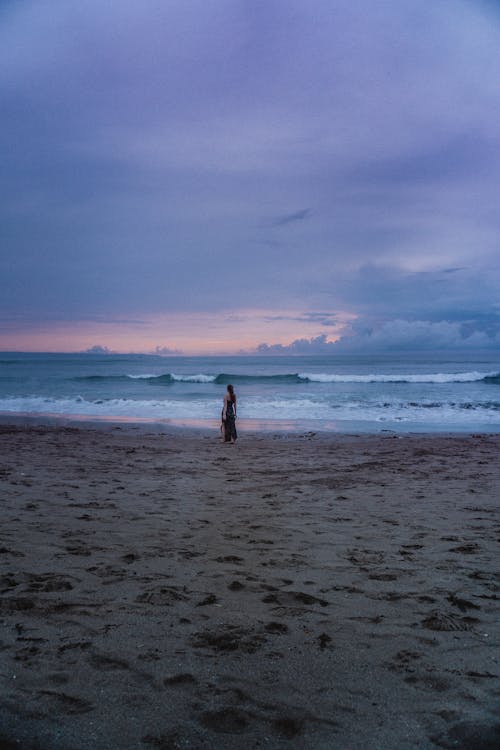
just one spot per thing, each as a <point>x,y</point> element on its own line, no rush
<point>165,351</point>
<point>396,335</point>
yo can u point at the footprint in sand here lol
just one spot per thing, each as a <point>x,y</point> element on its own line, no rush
<point>290,598</point>
<point>78,549</point>
<point>67,704</point>
<point>236,586</point>
<point>462,604</point>
<point>466,549</point>
<point>130,557</point>
<point>48,582</point>
<point>365,557</point>
<point>8,582</point>
<point>209,599</point>
<point>74,645</point>
<point>403,661</point>
<point>468,735</point>
<point>229,638</point>
<point>428,682</point>
<point>172,740</point>
<point>12,552</point>
<point>180,680</point>
<point>229,558</point>
<point>16,604</point>
<point>162,596</point>
<point>278,628</point>
<point>227,720</point>
<point>26,654</point>
<point>287,726</point>
<point>383,576</point>
<point>107,663</point>
<point>442,621</point>
<point>324,641</point>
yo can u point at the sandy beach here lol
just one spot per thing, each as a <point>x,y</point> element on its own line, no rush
<point>166,591</point>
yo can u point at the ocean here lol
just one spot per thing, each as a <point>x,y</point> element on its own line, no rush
<point>427,392</point>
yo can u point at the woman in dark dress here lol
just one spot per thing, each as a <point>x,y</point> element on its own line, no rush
<point>229,416</point>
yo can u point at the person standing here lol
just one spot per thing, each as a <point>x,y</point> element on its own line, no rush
<point>229,416</point>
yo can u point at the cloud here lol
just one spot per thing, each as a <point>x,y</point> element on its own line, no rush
<point>98,349</point>
<point>315,318</point>
<point>165,351</point>
<point>281,221</point>
<point>417,335</point>
<point>316,345</point>
<point>383,292</point>
<point>144,143</point>
<point>457,157</point>
<point>397,335</point>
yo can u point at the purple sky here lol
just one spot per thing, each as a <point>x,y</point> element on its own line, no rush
<point>208,175</point>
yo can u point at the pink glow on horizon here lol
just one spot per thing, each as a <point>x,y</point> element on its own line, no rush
<point>188,333</point>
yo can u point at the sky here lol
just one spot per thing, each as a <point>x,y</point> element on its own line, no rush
<point>212,176</point>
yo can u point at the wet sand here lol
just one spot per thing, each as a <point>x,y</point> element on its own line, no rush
<point>307,591</point>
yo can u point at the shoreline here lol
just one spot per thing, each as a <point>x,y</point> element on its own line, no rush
<point>248,426</point>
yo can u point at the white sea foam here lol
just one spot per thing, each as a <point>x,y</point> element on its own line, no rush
<point>200,378</point>
<point>117,407</point>
<point>437,377</point>
<point>422,412</point>
<point>197,378</point>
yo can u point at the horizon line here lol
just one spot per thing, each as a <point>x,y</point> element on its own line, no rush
<point>264,355</point>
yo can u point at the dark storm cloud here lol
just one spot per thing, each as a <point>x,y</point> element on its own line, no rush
<point>144,145</point>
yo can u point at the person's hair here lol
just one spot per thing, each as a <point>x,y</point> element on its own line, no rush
<point>232,394</point>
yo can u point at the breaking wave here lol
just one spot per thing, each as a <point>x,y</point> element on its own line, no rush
<point>438,377</point>
<point>304,377</point>
<point>169,377</point>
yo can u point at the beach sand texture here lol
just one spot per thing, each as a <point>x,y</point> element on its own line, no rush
<point>166,591</point>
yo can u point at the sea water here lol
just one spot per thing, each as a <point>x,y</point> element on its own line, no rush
<point>454,391</point>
